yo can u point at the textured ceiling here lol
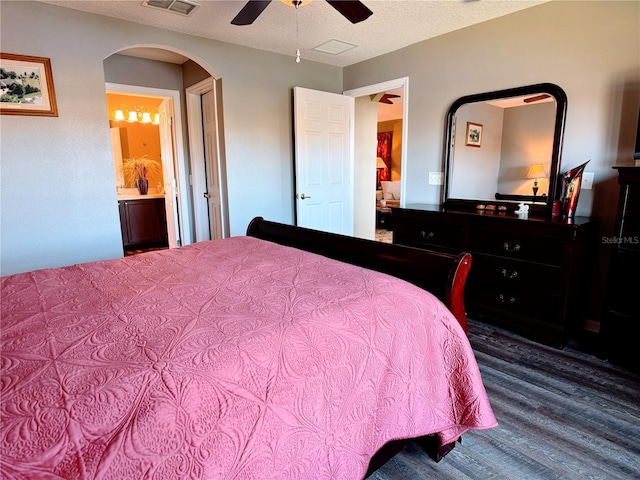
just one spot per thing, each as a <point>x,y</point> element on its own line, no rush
<point>393,25</point>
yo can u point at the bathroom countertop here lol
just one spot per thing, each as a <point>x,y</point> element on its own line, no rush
<point>137,196</point>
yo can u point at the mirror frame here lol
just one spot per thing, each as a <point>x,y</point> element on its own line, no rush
<point>561,112</point>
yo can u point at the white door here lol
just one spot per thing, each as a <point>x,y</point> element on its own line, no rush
<point>323,128</point>
<point>212,194</point>
<point>166,152</point>
<point>207,166</point>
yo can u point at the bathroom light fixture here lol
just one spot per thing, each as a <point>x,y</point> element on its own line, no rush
<point>136,115</point>
<point>119,116</point>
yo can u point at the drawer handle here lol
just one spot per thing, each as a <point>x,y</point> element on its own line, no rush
<point>515,248</point>
<point>426,235</point>
<point>513,274</point>
<point>509,300</point>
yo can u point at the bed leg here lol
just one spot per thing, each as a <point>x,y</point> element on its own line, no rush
<point>437,452</point>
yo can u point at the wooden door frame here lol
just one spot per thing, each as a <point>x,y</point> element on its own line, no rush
<point>402,82</point>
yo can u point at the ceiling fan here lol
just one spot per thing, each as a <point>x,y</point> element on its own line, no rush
<point>352,10</point>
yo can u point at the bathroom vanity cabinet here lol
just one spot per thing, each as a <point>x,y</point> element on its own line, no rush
<point>143,223</point>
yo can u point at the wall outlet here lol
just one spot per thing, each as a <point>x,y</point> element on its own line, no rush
<point>435,178</point>
<point>587,181</point>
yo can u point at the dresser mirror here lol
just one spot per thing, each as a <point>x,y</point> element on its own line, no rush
<point>503,148</point>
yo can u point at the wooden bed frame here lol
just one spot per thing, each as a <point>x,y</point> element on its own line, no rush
<point>442,274</point>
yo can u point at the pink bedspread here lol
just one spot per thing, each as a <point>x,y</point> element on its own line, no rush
<point>234,359</point>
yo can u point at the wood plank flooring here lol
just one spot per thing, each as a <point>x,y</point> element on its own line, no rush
<point>563,414</point>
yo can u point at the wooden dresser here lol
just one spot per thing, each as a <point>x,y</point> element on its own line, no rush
<point>526,272</point>
<point>620,326</point>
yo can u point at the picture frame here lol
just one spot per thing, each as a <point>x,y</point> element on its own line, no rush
<point>474,134</point>
<point>26,86</point>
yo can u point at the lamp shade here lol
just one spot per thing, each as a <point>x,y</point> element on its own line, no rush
<point>380,163</point>
<point>119,116</point>
<point>536,171</point>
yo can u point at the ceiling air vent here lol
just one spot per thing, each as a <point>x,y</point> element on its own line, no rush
<point>183,7</point>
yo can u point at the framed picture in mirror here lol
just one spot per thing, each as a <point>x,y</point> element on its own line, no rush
<point>474,134</point>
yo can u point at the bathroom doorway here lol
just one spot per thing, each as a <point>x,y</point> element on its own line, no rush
<point>145,123</point>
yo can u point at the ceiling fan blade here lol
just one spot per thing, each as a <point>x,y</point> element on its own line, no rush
<point>352,10</point>
<point>250,12</point>
<point>536,98</point>
<point>386,98</point>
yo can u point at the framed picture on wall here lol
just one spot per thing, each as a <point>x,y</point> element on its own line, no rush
<point>474,134</point>
<point>26,86</point>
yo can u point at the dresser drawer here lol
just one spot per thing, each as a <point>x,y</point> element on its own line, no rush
<point>428,231</point>
<point>512,244</point>
<point>532,304</point>
<point>509,273</point>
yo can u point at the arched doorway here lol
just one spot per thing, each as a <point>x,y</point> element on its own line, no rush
<point>167,74</point>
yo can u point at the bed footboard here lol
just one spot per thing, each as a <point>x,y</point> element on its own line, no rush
<point>442,274</point>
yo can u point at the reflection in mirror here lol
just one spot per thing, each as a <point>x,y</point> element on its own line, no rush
<point>505,146</point>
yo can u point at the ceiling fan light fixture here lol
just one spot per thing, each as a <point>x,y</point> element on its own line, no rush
<point>296,3</point>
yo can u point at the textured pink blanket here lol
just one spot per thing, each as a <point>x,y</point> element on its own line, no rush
<point>232,359</point>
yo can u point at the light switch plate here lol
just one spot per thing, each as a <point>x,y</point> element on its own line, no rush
<point>587,180</point>
<point>435,178</point>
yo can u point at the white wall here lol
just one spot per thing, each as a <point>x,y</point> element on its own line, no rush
<point>527,138</point>
<point>475,169</point>
<point>58,201</point>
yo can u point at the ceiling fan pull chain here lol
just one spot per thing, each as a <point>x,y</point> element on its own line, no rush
<point>297,5</point>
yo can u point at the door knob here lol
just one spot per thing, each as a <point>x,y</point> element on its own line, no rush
<point>303,196</point>
<point>207,195</point>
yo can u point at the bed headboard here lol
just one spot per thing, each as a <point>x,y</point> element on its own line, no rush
<point>442,274</point>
